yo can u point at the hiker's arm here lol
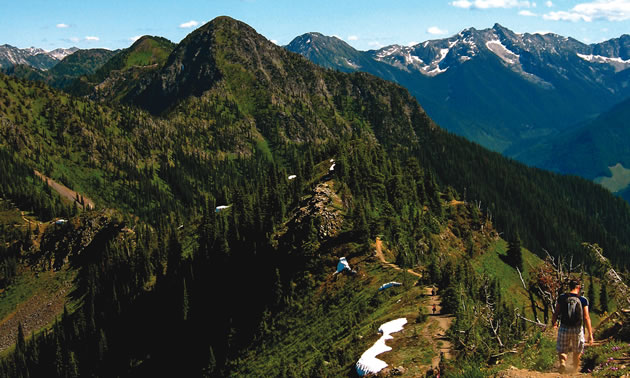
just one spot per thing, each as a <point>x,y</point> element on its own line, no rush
<point>554,318</point>
<point>589,328</point>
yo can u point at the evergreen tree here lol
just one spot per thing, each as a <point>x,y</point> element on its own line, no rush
<point>603,298</point>
<point>591,293</point>
<point>185,304</point>
<point>514,253</point>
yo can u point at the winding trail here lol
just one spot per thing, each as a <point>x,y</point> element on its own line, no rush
<point>438,324</point>
<point>378,250</point>
<point>521,373</point>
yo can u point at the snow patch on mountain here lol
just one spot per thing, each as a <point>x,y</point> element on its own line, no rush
<point>60,54</point>
<point>618,63</point>
<point>443,54</point>
<point>415,59</point>
<point>368,363</point>
<point>387,52</point>
<point>502,52</point>
<point>436,71</point>
<point>352,64</point>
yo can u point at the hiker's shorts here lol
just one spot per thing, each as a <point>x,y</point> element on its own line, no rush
<point>570,340</point>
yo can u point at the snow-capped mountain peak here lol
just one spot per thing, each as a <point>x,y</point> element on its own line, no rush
<point>32,56</point>
<point>60,54</point>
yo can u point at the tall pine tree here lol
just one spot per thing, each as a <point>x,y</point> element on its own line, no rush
<point>514,253</point>
<point>591,293</point>
<point>603,298</point>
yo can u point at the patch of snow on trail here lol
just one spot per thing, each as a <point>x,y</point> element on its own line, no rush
<point>368,363</point>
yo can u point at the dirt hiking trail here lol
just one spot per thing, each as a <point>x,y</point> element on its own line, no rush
<point>437,326</point>
<point>520,373</point>
<point>378,250</point>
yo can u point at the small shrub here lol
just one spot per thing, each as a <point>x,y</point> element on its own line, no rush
<point>422,315</point>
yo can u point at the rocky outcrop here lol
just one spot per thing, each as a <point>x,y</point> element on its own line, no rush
<point>63,242</point>
<point>322,205</point>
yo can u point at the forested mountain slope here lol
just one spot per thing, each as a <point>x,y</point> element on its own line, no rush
<point>62,74</point>
<point>591,150</point>
<point>227,120</point>
<point>247,94</point>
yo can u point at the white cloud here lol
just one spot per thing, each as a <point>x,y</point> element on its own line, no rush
<point>275,42</point>
<point>353,38</point>
<point>375,44</point>
<point>92,38</point>
<point>487,4</point>
<point>527,13</point>
<point>549,4</point>
<point>412,43</point>
<point>434,30</point>
<point>189,24</point>
<point>62,26</point>
<point>135,38</point>
<point>611,10</point>
<point>74,39</point>
<point>461,4</point>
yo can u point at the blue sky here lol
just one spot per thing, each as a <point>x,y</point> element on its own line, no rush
<point>365,24</point>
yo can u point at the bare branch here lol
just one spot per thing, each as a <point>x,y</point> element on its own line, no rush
<point>522,281</point>
<point>537,322</point>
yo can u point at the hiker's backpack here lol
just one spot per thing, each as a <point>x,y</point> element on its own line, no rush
<point>571,311</point>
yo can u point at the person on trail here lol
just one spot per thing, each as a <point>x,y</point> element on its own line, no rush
<point>434,309</point>
<point>432,291</point>
<point>572,311</point>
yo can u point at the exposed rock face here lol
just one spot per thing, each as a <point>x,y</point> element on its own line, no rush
<point>63,242</point>
<point>320,205</point>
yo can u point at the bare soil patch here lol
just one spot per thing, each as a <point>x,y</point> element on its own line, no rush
<point>34,314</point>
<point>66,192</point>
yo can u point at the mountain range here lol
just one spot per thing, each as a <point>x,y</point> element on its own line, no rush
<point>66,71</point>
<point>514,93</point>
<point>523,95</point>
<point>34,57</point>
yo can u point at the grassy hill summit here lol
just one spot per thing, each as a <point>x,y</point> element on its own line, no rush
<point>231,182</point>
<point>125,70</point>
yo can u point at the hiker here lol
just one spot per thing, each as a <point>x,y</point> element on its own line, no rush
<point>572,311</point>
<point>434,308</point>
<point>432,291</point>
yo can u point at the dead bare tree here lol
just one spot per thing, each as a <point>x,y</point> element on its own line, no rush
<point>620,291</point>
<point>488,314</point>
<point>618,323</point>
